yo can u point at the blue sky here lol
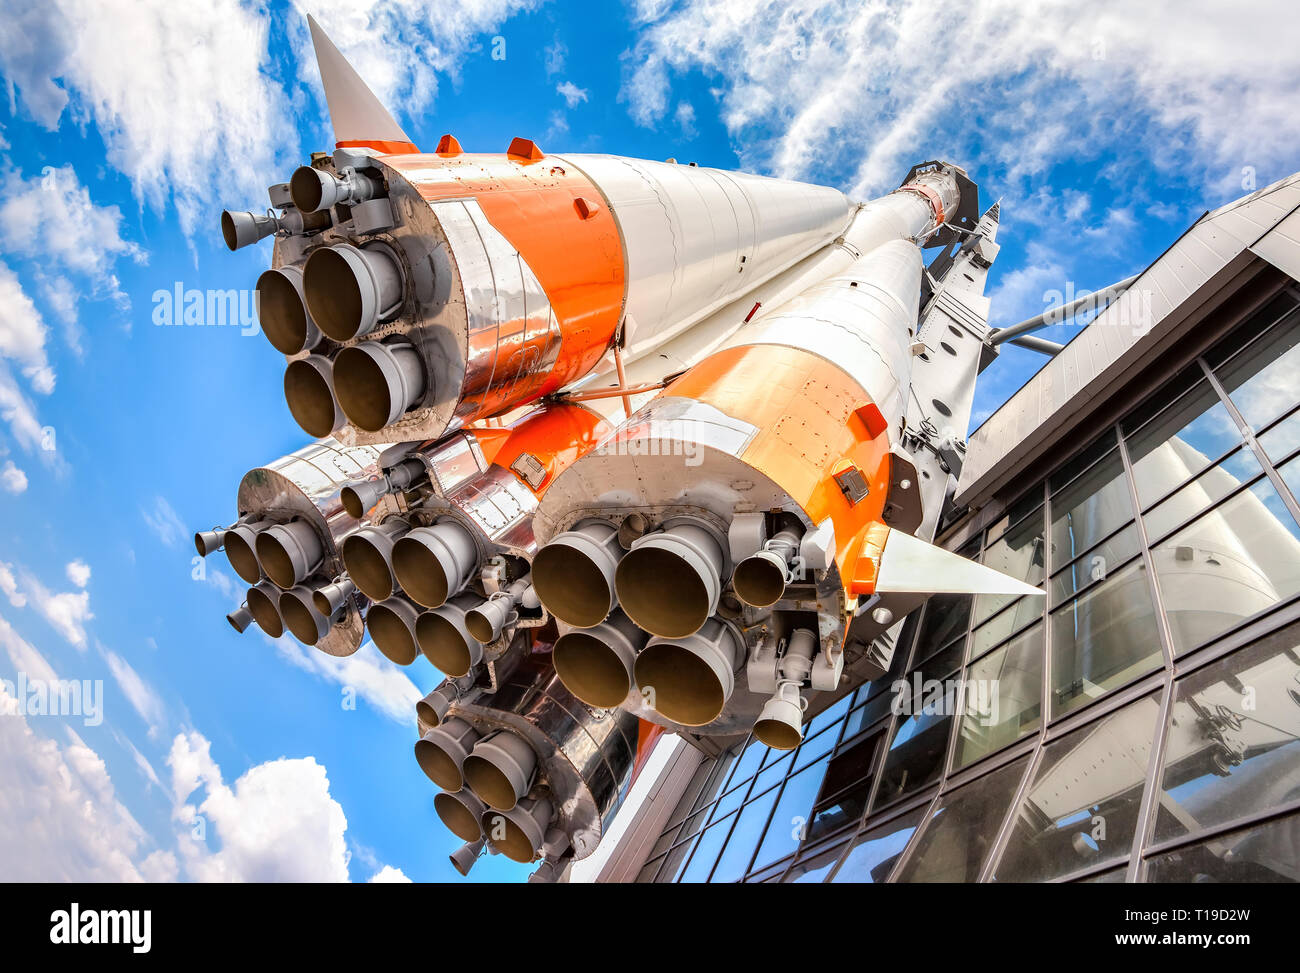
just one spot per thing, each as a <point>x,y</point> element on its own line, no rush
<point>1104,134</point>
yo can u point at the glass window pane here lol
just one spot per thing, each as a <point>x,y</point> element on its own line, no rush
<point>945,619</point>
<point>648,871</point>
<point>706,852</point>
<point>1230,564</point>
<point>1193,432</point>
<point>865,716</point>
<point>1018,553</point>
<point>875,852</point>
<point>771,873</point>
<point>1203,492</point>
<point>959,836</point>
<point>1094,565</point>
<point>1291,477</point>
<point>1261,379</point>
<point>1018,510</point>
<point>772,773</point>
<point>1234,738</point>
<point>917,752</point>
<point>1283,439</point>
<point>1103,639</point>
<point>1266,853</point>
<point>1081,808</point>
<point>1002,697</point>
<point>815,864</point>
<point>790,819</point>
<point>675,860</point>
<point>1089,509</point>
<point>744,839</point>
<point>828,716</point>
<point>750,760</point>
<point>846,788</point>
<point>1002,626</point>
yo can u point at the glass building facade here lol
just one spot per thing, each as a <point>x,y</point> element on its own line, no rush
<point>1140,723</point>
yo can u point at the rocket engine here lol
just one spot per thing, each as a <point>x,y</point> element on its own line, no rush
<point>729,531</point>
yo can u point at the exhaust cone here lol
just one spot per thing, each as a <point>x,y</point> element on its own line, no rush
<point>446,641</point>
<point>432,710</point>
<point>519,832</point>
<point>500,769</point>
<point>263,600</point>
<point>332,597</point>
<point>760,579</point>
<point>780,725</point>
<point>243,229</point>
<point>301,618</point>
<point>596,664</point>
<point>239,544</point>
<point>689,680</point>
<point>240,619</point>
<point>464,857</point>
<point>290,552</point>
<point>486,622</point>
<point>434,563</point>
<point>209,541</point>
<point>670,582</point>
<point>368,558</point>
<point>282,311</point>
<point>573,575</point>
<point>350,289</point>
<point>377,383</point>
<point>461,812</point>
<point>309,393</point>
<point>443,750</point>
<point>391,625</point>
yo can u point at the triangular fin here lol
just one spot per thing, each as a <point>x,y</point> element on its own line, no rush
<point>359,118</point>
<point>911,565</point>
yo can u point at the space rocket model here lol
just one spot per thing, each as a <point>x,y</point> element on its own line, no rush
<point>616,445</point>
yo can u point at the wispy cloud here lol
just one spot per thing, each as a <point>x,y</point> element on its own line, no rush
<point>571,93</point>
<point>164,522</point>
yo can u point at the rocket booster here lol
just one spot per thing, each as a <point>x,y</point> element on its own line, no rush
<point>723,534</point>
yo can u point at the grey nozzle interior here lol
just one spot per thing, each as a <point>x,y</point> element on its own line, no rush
<point>377,383</point>
<point>309,393</point>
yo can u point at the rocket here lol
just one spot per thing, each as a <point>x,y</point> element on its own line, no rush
<point>619,446</point>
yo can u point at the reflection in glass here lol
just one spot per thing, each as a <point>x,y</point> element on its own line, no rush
<point>790,819</point>
<point>1207,489</point>
<point>1234,738</point>
<point>1266,853</point>
<point>1283,439</point>
<point>1194,431</point>
<point>1235,561</point>
<point>1261,379</point>
<point>1103,639</point>
<point>959,836</point>
<point>1002,697</point>
<point>945,619</point>
<point>874,853</point>
<point>846,788</point>
<point>744,838</point>
<point>917,751</point>
<point>1081,808</point>
<point>1088,509</point>
<point>1018,553</point>
<point>706,851</point>
<point>1093,566</point>
<point>815,863</point>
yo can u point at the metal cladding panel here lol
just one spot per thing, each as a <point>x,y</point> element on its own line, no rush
<point>1129,327</point>
<point>697,238</point>
<point>1281,246</point>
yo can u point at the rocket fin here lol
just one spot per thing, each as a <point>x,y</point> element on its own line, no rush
<point>359,118</point>
<point>911,565</point>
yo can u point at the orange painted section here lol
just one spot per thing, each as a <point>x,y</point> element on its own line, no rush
<point>813,421</point>
<point>557,435</point>
<point>379,145</point>
<point>534,204</point>
<point>647,735</point>
<point>866,570</point>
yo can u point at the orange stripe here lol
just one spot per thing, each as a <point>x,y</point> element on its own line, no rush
<point>575,251</point>
<point>556,436</point>
<point>379,145</point>
<point>813,421</point>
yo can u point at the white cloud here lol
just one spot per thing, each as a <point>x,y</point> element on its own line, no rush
<point>388,874</point>
<point>164,522</point>
<point>685,116</point>
<point>9,586</point>
<point>25,657</point>
<point>51,219</point>
<point>12,479</point>
<point>379,682</point>
<point>78,572</point>
<point>278,823</point>
<point>66,611</point>
<point>830,89</point>
<point>555,58</point>
<point>17,410</point>
<point>23,332</point>
<point>60,820</point>
<point>571,93</point>
<point>144,699</point>
<point>147,74</point>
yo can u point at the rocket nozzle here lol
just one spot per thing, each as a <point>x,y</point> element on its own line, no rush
<point>462,813</point>
<point>209,541</point>
<point>690,679</point>
<point>350,290</point>
<point>670,581</point>
<point>240,619</point>
<point>282,311</point>
<point>446,641</point>
<point>368,558</point>
<point>434,563</point>
<point>377,383</point>
<point>441,752</point>
<point>499,770</point>
<point>760,579</point>
<point>290,552</point>
<point>239,544</point>
<point>243,229</point>
<point>573,575</point>
<point>518,833</point>
<point>596,664</point>
<point>331,597</point>
<point>263,600</point>
<point>301,617</point>
<point>391,625</point>
<point>316,189</point>
<point>309,392</point>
